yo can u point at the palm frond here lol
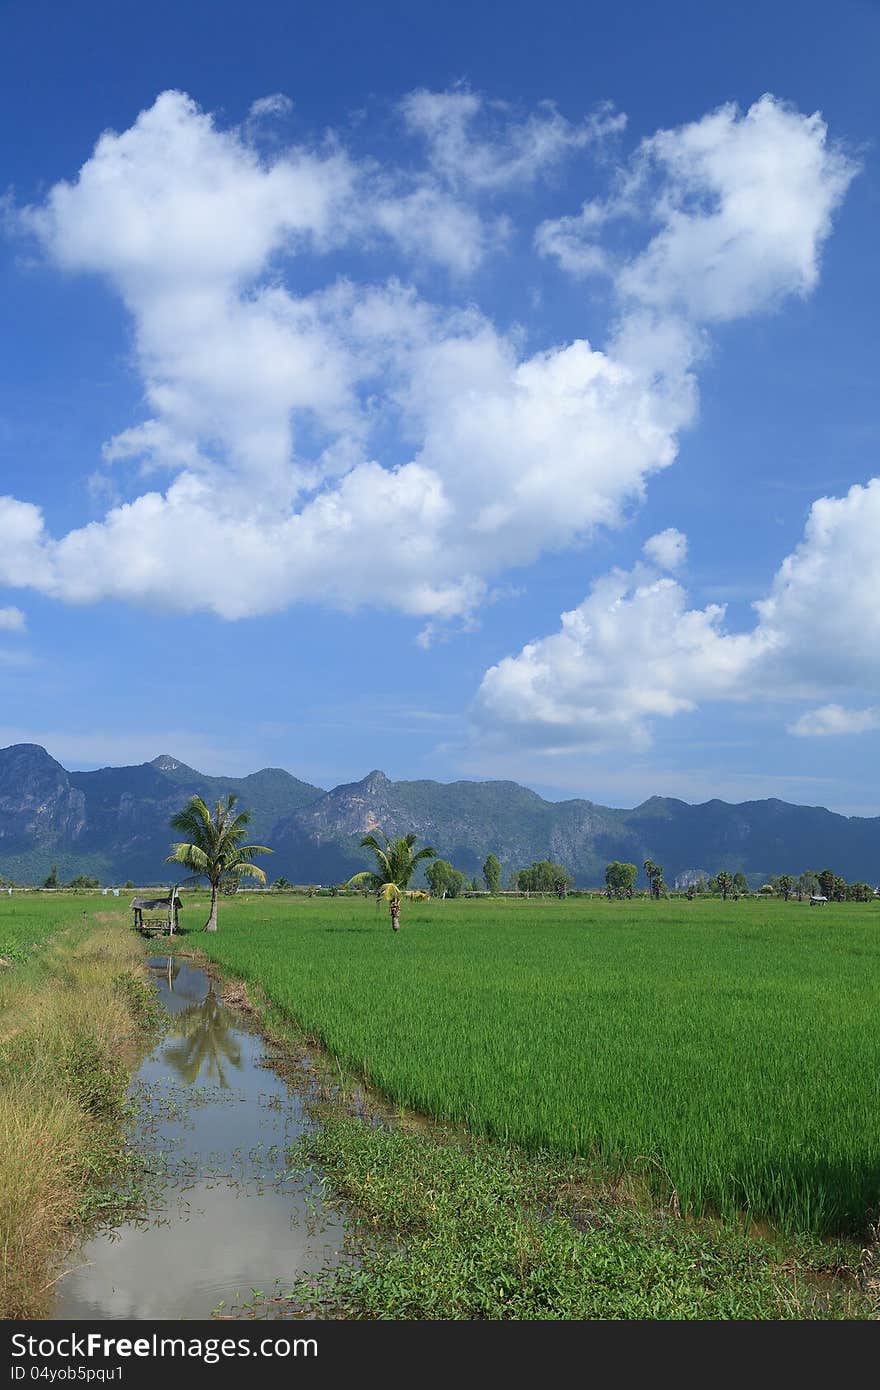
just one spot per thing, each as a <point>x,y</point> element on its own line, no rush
<point>370,842</point>
<point>248,871</point>
<point>366,876</point>
<point>246,852</point>
<point>191,856</point>
<point>193,817</point>
<point>427,853</point>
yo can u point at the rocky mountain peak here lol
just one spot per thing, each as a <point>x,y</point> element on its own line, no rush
<point>113,823</point>
<point>37,799</point>
<point>165,763</point>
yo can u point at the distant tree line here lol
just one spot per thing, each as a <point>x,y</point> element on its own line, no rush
<point>620,882</point>
<point>811,883</point>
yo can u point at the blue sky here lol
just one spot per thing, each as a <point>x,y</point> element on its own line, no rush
<point>370,341</point>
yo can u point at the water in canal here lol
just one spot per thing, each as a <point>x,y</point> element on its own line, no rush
<point>226,1217</point>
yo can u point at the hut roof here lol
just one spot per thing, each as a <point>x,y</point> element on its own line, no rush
<point>144,903</point>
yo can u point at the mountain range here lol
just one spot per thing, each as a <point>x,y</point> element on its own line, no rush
<point>112,824</point>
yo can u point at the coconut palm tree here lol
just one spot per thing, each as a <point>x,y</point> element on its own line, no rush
<point>213,848</point>
<point>395,866</point>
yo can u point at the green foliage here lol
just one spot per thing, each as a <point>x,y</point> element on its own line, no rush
<point>654,875</point>
<point>544,877</point>
<point>827,880</point>
<point>620,878</point>
<point>808,883</point>
<point>478,1230</point>
<point>98,1083</point>
<point>859,893</point>
<point>731,1055</point>
<point>51,880</point>
<point>492,873</point>
<point>783,884</point>
<point>83,883</point>
<point>443,878</point>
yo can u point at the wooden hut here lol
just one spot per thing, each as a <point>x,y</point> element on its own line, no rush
<point>817,900</point>
<point>155,916</point>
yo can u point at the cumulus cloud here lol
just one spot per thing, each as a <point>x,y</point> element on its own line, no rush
<point>422,536</point>
<point>744,203</point>
<point>634,651</point>
<point>187,222</point>
<point>829,720</point>
<point>354,443</point>
<point>668,549</point>
<point>823,601</point>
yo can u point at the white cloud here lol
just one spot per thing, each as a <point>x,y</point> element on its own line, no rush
<point>634,651</point>
<point>823,602</point>
<point>12,620</point>
<point>570,242</point>
<point>668,549</point>
<point>565,439</point>
<point>505,151</point>
<point>174,203</point>
<point>275,105</point>
<point>829,720</point>
<point>744,204</point>
<point>267,405</point>
<point>429,223</point>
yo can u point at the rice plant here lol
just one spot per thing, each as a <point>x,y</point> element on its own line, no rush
<point>728,1052</point>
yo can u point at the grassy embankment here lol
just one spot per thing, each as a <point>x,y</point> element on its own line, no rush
<point>74,1006</point>
<point>625,1063</point>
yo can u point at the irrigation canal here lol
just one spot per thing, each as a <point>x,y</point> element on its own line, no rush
<point>225,1217</point>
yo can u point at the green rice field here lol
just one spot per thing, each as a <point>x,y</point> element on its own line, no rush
<point>29,919</point>
<point>730,1051</point>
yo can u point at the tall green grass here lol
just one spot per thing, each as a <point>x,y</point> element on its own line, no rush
<point>728,1051</point>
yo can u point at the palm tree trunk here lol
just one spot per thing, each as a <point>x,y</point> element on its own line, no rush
<point>211,924</point>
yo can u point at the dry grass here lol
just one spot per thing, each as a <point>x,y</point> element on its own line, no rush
<point>70,1023</point>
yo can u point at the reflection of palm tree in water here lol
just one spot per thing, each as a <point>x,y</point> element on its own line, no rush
<point>204,1042</point>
